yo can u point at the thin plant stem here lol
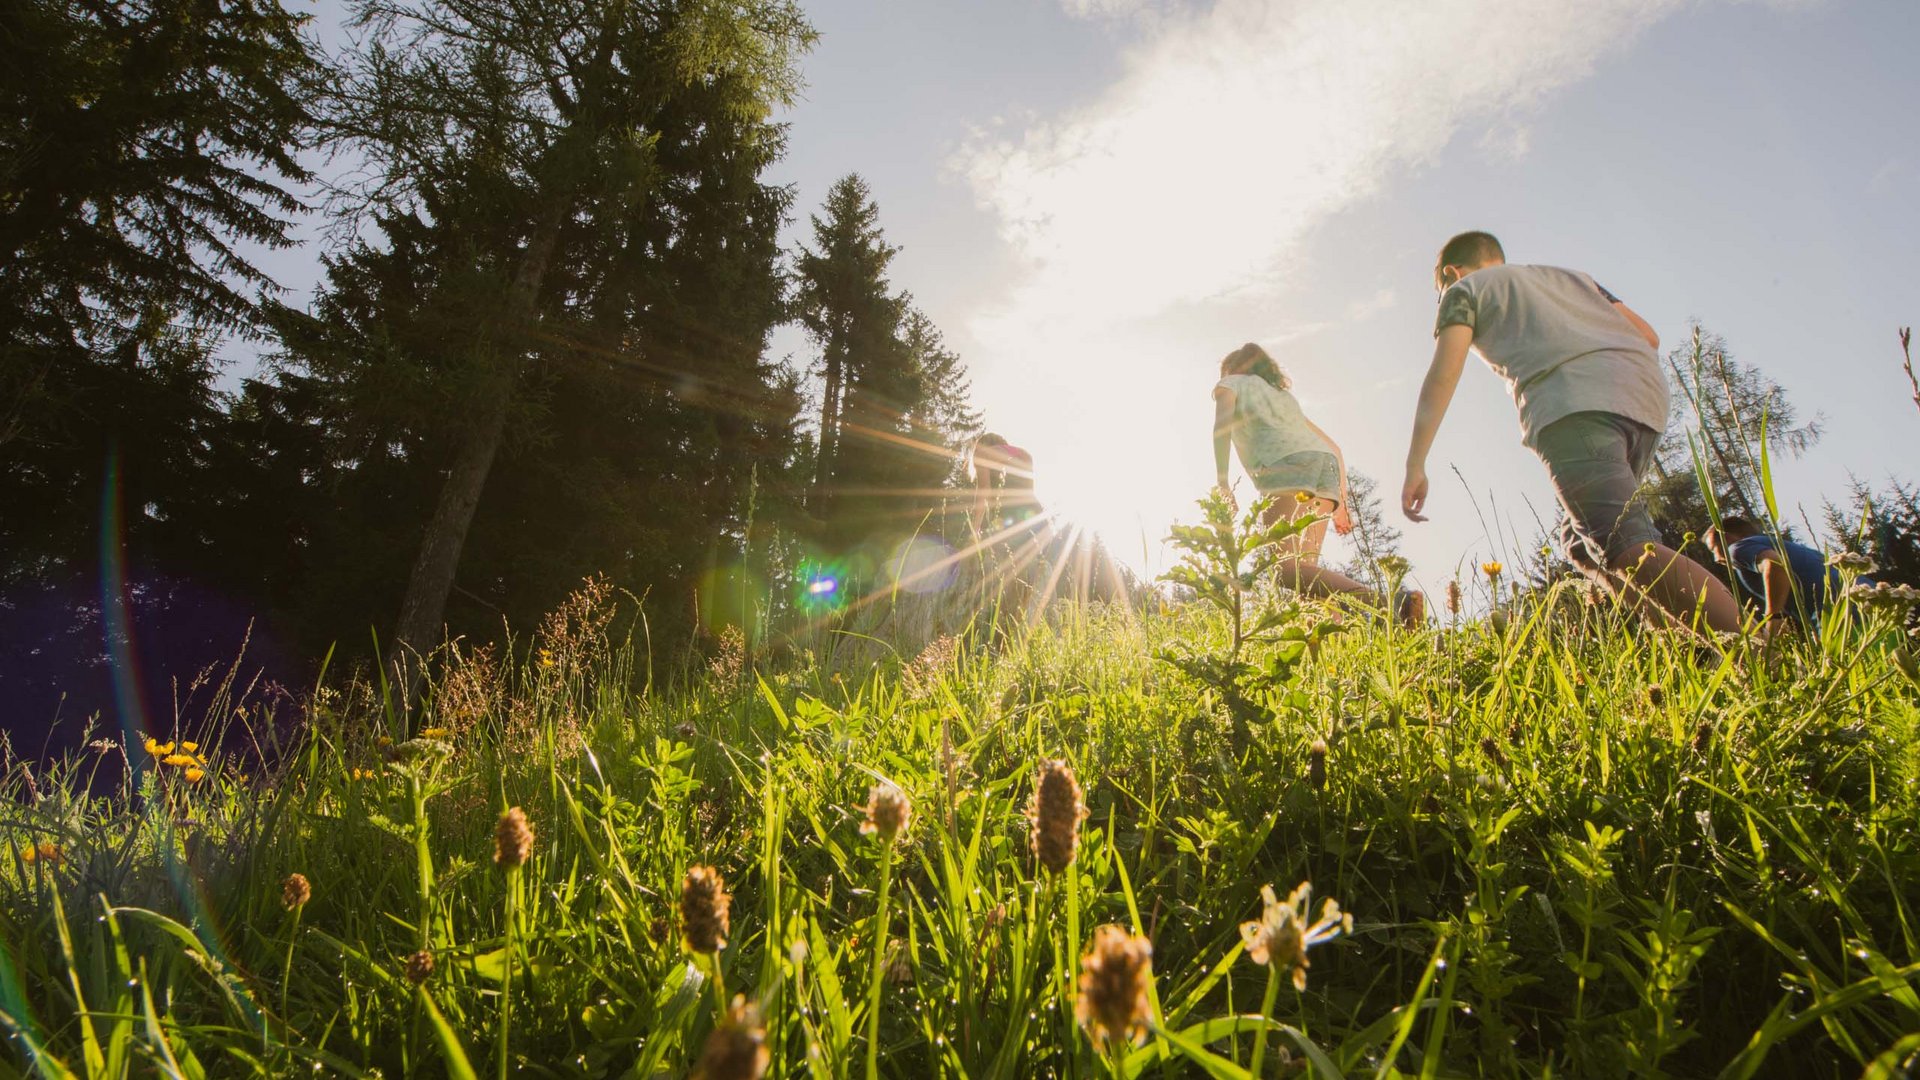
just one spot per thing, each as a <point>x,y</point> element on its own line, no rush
<point>506,971</point>
<point>879,960</point>
<point>1266,1013</point>
<point>286,969</point>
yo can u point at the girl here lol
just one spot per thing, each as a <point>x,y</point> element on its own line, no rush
<point>1287,455</point>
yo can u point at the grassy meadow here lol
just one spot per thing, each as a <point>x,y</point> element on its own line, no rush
<point>1560,844</point>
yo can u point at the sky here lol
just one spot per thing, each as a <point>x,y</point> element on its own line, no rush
<point>1095,200</point>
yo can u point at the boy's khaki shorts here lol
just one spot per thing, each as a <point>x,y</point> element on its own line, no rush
<point>1596,460</point>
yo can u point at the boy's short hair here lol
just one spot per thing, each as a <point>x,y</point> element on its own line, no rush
<point>1734,527</point>
<point>1469,249</point>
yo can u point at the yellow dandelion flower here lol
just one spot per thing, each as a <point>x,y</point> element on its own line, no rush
<point>1491,568</point>
<point>190,747</point>
<point>45,851</point>
<point>433,733</point>
<point>179,760</point>
<point>546,658</point>
<point>195,774</point>
<point>157,748</point>
<point>1302,498</point>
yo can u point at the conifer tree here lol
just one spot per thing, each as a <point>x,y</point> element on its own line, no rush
<point>540,168</point>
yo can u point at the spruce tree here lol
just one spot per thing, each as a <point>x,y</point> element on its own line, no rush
<point>544,168</point>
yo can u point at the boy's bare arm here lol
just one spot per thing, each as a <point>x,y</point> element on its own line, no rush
<point>1436,393</point>
<point>1640,324</point>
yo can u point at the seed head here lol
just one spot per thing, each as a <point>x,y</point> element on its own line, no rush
<point>888,812</point>
<point>703,910</point>
<point>295,891</point>
<point>1116,977</point>
<point>1317,765</point>
<point>737,1048</point>
<point>420,967</point>
<point>1851,562</point>
<point>1282,935</point>
<point>512,838</point>
<point>1453,598</point>
<point>1656,695</point>
<point>1056,813</point>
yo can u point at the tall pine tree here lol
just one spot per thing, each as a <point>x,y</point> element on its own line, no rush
<point>569,201</point>
<point>893,397</point>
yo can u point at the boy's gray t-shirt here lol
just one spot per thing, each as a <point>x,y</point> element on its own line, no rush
<point>1557,340</point>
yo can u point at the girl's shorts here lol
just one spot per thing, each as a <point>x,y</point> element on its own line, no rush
<point>1313,471</point>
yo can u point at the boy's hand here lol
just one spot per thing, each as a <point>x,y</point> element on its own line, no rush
<point>1342,520</point>
<point>1413,494</point>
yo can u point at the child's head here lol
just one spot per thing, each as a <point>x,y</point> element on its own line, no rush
<point>1251,359</point>
<point>1463,255</point>
<point>1731,528</point>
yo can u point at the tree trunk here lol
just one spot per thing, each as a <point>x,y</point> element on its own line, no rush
<point>829,428</point>
<point>422,619</point>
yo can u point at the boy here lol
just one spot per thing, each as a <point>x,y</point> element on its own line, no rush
<point>1791,580</point>
<point>1583,370</point>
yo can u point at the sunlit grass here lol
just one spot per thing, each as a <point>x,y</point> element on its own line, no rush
<point>1573,845</point>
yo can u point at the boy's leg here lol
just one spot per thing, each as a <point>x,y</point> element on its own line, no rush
<point>1595,461</point>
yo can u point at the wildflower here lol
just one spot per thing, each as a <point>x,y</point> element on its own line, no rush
<point>1687,540</point>
<point>1851,562</point>
<point>1884,594</point>
<point>46,851</point>
<point>737,1047</point>
<point>179,760</point>
<point>1302,498</point>
<point>433,733</point>
<point>1282,936</point>
<point>1116,976</point>
<point>888,812</point>
<point>420,967</point>
<point>1056,813</point>
<point>546,658</point>
<point>1394,566</point>
<point>703,910</point>
<point>512,838</point>
<point>190,746</point>
<point>1453,598</point>
<point>157,748</point>
<point>195,774</point>
<point>1491,568</point>
<point>1317,765</point>
<point>295,891</point>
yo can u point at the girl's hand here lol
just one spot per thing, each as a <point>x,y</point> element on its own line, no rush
<point>1342,520</point>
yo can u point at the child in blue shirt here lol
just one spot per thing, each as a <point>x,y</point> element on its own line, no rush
<point>1792,581</point>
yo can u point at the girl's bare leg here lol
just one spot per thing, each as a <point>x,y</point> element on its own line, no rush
<point>1300,570</point>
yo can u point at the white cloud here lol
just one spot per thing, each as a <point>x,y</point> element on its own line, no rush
<point>1235,129</point>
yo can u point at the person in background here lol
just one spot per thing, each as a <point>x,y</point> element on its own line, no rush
<point>1584,372</point>
<point>1791,581</point>
<point>1002,486</point>
<point>1290,459</point>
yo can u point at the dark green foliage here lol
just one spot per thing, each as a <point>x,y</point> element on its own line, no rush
<point>556,323</point>
<point>893,398</point>
<point>1722,411</point>
<point>1882,525</point>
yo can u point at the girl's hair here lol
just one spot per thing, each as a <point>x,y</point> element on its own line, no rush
<point>1251,359</point>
